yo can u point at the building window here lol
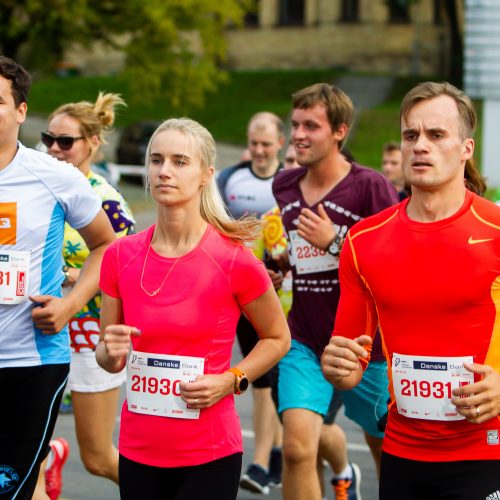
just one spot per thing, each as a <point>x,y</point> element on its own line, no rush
<point>291,12</point>
<point>438,14</point>
<point>251,18</point>
<point>399,12</point>
<point>350,11</point>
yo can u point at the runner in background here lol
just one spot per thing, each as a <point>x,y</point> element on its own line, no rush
<point>318,203</point>
<point>246,189</point>
<point>94,392</point>
<point>180,436</point>
<point>38,194</point>
<point>440,325</point>
<point>392,167</point>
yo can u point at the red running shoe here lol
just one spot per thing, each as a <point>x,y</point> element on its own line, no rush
<point>53,474</point>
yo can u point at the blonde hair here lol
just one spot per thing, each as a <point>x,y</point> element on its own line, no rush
<point>429,90</point>
<point>94,118</point>
<point>212,207</point>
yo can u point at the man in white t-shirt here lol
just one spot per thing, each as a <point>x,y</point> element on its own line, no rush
<point>246,189</point>
<point>37,195</point>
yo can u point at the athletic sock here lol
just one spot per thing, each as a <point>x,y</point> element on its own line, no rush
<point>345,474</point>
<point>50,459</point>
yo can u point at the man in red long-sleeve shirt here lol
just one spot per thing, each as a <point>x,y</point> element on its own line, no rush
<point>427,272</point>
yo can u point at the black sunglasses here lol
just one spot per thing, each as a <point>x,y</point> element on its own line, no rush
<point>65,142</point>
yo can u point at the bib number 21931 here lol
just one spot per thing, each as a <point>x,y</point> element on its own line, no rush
<point>423,385</point>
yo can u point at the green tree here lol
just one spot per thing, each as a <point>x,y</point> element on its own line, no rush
<point>173,47</point>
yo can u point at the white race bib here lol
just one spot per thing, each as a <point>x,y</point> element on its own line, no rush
<point>307,258</point>
<point>14,275</point>
<point>423,385</point>
<point>153,383</point>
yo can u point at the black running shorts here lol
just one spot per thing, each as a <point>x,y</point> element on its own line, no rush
<point>30,398</point>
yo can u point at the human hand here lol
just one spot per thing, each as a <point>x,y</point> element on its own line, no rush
<point>117,341</point>
<point>282,262</point>
<point>341,356</point>
<point>316,229</point>
<point>50,314</point>
<point>480,401</point>
<point>206,390</point>
<point>276,278</point>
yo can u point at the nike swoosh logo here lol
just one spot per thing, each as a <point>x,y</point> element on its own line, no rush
<point>472,241</point>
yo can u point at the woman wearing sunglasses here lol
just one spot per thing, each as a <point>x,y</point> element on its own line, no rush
<point>75,133</point>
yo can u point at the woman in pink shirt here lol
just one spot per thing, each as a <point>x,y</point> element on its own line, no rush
<point>172,296</point>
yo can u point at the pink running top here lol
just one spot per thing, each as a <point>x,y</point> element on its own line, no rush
<point>194,314</point>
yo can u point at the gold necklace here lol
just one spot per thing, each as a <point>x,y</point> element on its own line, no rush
<point>157,291</point>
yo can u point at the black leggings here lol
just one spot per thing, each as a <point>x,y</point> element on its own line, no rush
<point>462,480</point>
<point>217,480</point>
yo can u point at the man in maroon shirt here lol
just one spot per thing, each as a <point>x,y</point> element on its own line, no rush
<point>319,202</point>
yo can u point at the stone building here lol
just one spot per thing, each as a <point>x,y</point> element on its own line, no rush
<point>361,35</point>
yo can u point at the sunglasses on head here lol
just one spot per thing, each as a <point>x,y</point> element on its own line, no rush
<point>65,142</point>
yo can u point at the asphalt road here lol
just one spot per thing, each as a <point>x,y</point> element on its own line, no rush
<point>80,485</point>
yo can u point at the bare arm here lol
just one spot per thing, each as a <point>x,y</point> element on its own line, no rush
<point>267,317</point>
<point>114,339</point>
<point>340,361</point>
<point>53,312</point>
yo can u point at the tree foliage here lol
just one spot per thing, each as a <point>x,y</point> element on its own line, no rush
<point>173,47</point>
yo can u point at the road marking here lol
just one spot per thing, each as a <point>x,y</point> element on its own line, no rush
<point>249,434</point>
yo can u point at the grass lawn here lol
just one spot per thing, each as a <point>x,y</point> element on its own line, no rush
<point>227,110</point>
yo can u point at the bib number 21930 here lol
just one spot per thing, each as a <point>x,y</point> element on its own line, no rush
<point>153,383</point>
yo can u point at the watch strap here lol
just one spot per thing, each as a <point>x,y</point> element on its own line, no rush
<point>237,372</point>
<point>238,376</point>
<point>336,242</point>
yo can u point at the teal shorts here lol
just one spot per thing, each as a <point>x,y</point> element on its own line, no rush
<point>301,383</point>
<point>367,402</point>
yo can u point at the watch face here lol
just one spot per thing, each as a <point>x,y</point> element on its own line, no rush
<point>243,384</point>
<point>334,249</point>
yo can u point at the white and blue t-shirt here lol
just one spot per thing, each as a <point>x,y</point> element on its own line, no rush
<point>244,192</point>
<point>37,195</point>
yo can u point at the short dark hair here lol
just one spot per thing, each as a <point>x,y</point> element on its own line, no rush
<point>429,90</point>
<point>338,105</point>
<point>20,79</point>
<point>389,147</point>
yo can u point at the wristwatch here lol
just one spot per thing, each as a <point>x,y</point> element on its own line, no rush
<point>240,382</point>
<point>65,270</point>
<point>333,247</point>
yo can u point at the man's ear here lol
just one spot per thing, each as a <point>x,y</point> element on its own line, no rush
<point>341,133</point>
<point>21,113</point>
<point>468,148</point>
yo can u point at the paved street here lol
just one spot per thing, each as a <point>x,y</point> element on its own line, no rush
<point>80,485</point>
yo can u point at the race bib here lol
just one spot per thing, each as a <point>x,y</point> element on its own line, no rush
<point>153,384</point>
<point>14,274</point>
<point>307,258</point>
<point>423,385</point>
